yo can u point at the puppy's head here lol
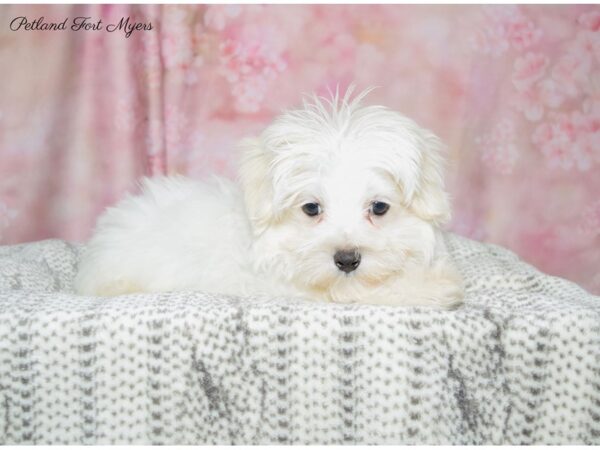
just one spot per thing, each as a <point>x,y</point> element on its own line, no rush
<point>341,197</point>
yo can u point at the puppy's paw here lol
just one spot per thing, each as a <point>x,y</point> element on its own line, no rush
<point>120,287</point>
<point>446,293</point>
<point>443,287</point>
<point>102,288</point>
<point>438,288</point>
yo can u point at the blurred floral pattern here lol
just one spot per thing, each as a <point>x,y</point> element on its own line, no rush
<point>514,91</point>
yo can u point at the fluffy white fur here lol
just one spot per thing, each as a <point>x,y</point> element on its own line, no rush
<point>217,237</point>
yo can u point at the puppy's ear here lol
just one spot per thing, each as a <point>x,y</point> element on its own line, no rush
<point>256,183</point>
<point>430,200</point>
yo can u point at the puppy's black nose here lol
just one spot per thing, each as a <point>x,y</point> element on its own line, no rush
<point>347,260</point>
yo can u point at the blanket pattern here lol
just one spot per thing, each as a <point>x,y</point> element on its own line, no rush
<point>519,363</point>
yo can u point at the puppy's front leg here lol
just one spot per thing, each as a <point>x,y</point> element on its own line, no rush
<point>440,286</point>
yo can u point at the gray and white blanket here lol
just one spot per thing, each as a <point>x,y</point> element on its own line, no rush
<point>519,363</point>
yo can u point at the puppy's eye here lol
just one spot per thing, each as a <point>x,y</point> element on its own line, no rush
<point>311,209</point>
<point>379,208</point>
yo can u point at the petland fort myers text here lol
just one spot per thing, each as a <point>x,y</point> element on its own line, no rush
<point>81,23</point>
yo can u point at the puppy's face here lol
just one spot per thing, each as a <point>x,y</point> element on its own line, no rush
<point>343,198</point>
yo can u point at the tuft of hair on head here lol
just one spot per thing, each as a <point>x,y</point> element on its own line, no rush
<point>321,114</point>
<point>334,110</point>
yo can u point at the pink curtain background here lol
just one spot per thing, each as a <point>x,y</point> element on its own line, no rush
<point>514,91</point>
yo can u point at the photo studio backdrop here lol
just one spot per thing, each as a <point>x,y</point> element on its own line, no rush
<point>514,92</point>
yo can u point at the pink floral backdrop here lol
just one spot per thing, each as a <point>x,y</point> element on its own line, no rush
<point>514,91</point>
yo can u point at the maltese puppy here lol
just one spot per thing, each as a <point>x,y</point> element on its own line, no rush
<point>337,202</point>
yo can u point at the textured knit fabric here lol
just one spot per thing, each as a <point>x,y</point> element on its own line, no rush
<point>519,363</point>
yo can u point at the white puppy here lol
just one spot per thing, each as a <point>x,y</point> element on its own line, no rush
<point>338,202</point>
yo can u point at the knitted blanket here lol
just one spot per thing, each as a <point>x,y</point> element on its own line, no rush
<point>519,363</point>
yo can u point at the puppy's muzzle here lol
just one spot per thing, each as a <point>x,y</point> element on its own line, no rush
<point>347,260</point>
